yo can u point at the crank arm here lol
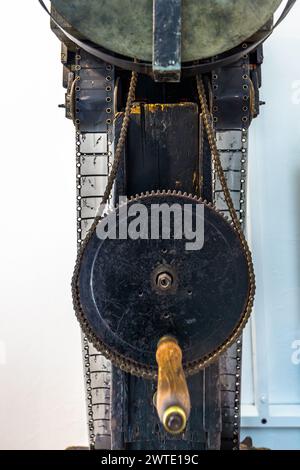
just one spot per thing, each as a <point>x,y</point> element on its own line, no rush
<point>172,397</point>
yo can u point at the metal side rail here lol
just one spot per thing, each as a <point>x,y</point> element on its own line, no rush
<point>94,154</point>
<point>233,148</point>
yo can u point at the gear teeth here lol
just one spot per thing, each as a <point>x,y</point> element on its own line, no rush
<point>122,362</point>
<point>169,192</point>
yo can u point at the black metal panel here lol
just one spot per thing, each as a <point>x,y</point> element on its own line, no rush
<point>93,111</point>
<point>235,92</point>
<point>166,40</point>
<point>231,89</point>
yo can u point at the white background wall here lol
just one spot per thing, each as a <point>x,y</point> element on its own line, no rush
<point>41,392</point>
<point>41,387</point>
<point>271,379</point>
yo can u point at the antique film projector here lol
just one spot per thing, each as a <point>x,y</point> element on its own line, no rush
<point>162,94</point>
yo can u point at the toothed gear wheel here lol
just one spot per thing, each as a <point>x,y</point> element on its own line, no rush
<point>129,293</point>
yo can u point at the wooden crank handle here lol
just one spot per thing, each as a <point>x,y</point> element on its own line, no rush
<point>172,398</point>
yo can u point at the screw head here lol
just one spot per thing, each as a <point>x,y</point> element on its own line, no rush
<point>164,281</point>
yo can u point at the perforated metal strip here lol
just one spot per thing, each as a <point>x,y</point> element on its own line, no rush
<point>94,156</point>
<point>233,148</point>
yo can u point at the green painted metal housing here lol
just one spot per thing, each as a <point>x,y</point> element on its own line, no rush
<point>209,27</point>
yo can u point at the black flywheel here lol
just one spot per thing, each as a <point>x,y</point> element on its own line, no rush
<point>129,292</point>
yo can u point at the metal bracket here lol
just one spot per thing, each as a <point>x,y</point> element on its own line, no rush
<point>167,40</point>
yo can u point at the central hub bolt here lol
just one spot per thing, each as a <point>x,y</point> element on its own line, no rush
<point>174,420</point>
<point>164,281</point>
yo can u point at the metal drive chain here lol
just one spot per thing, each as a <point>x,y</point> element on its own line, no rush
<point>87,343</point>
<point>232,146</point>
<point>193,367</point>
<point>121,142</point>
<point>211,135</point>
<point>206,116</point>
